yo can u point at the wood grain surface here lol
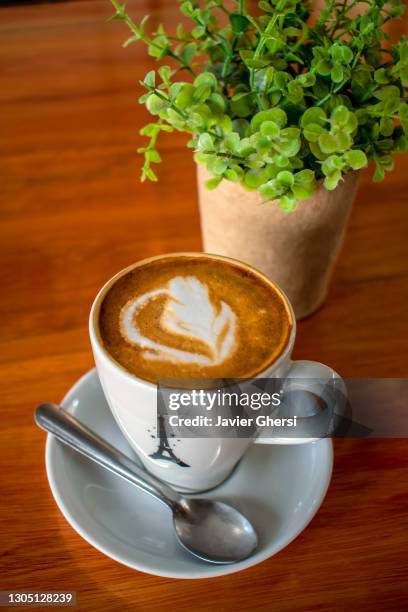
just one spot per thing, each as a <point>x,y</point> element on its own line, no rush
<point>72,214</point>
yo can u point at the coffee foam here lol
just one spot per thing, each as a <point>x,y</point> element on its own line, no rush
<point>188,312</point>
<point>193,317</point>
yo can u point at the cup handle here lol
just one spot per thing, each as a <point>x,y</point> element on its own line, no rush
<point>307,372</point>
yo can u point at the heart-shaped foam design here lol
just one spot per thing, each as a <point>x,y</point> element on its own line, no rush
<point>188,313</point>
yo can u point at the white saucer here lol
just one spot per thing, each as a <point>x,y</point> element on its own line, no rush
<point>278,488</point>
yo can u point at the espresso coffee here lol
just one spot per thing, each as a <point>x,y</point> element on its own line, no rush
<point>193,316</point>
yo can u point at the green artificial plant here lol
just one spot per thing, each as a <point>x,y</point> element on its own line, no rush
<point>278,100</point>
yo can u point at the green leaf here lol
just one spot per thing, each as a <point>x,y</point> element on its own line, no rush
<point>287,203</point>
<point>201,93</point>
<point>378,174</point>
<point>274,43</point>
<point>242,104</point>
<point>282,161</point>
<point>328,143</point>
<point>334,162</point>
<point>295,92</point>
<point>344,141</point>
<point>188,53</point>
<point>239,22</point>
<point>306,80</point>
<point>347,54</point>
<point>147,172</point>
<point>173,118</point>
<point>187,9</point>
<point>206,78</point>
<point>151,129</point>
<point>402,144</point>
<point>223,122</point>
<point>316,151</point>
<point>276,115</point>
<point>387,162</point>
<point>159,48</point>
<point>336,53</point>
<point>312,131</point>
<point>281,79</point>
<point>199,115</point>
<point>331,182</point>
<point>320,89</point>
<point>391,105</point>
<point>356,159</point>
<point>217,103</point>
<point>232,175</point>
<point>291,31</point>
<point>268,191</point>
<point>198,31</point>
<point>380,76</point>
<point>313,115</point>
<point>217,165</point>
<point>144,98</point>
<point>285,178</point>
<point>304,185</point>
<point>150,79</point>
<point>241,126</point>
<point>155,105</point>
<point>403,50</point>
<point>386,126</point>
<point>270,128</point>
<point>175,89</point>
<point>386,144</point>
<point>263,78</point>
<point>254,178</point>
<point>389,91</point>
<point>340,115</point>
<point>185,97</point>
<point>351,124</point>
<point>290,133</point>
<point>341,54</point>
<point>247,57</point>
<point>324,67</point>
<point>266,7</point>
<point>201,158</point>
<point>205,142</point>
<point>131,40</point>
<point>153,156</point>
<point>213,183</point>
<point>403,74</point>
<point>337,73</point>
<point>232,142</point>
<point>287,146</point>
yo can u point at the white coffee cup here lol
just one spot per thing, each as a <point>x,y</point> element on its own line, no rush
<point>133,402</point>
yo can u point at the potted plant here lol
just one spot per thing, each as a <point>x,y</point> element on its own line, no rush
<point>280,108</point>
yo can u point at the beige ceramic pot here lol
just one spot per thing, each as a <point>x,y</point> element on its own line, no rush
<point>297,250</point>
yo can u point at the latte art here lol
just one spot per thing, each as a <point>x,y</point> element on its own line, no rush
<point>194,316</point>
<point>189,313</point>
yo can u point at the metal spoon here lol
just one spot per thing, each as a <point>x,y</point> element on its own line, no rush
<point>210,530</point>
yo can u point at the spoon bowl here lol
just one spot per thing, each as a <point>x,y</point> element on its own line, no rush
<point>214,531</point>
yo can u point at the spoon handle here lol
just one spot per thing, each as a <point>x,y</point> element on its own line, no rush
<point>72,432</point>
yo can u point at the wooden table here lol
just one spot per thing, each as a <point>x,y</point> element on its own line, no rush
<point>73,213</point>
